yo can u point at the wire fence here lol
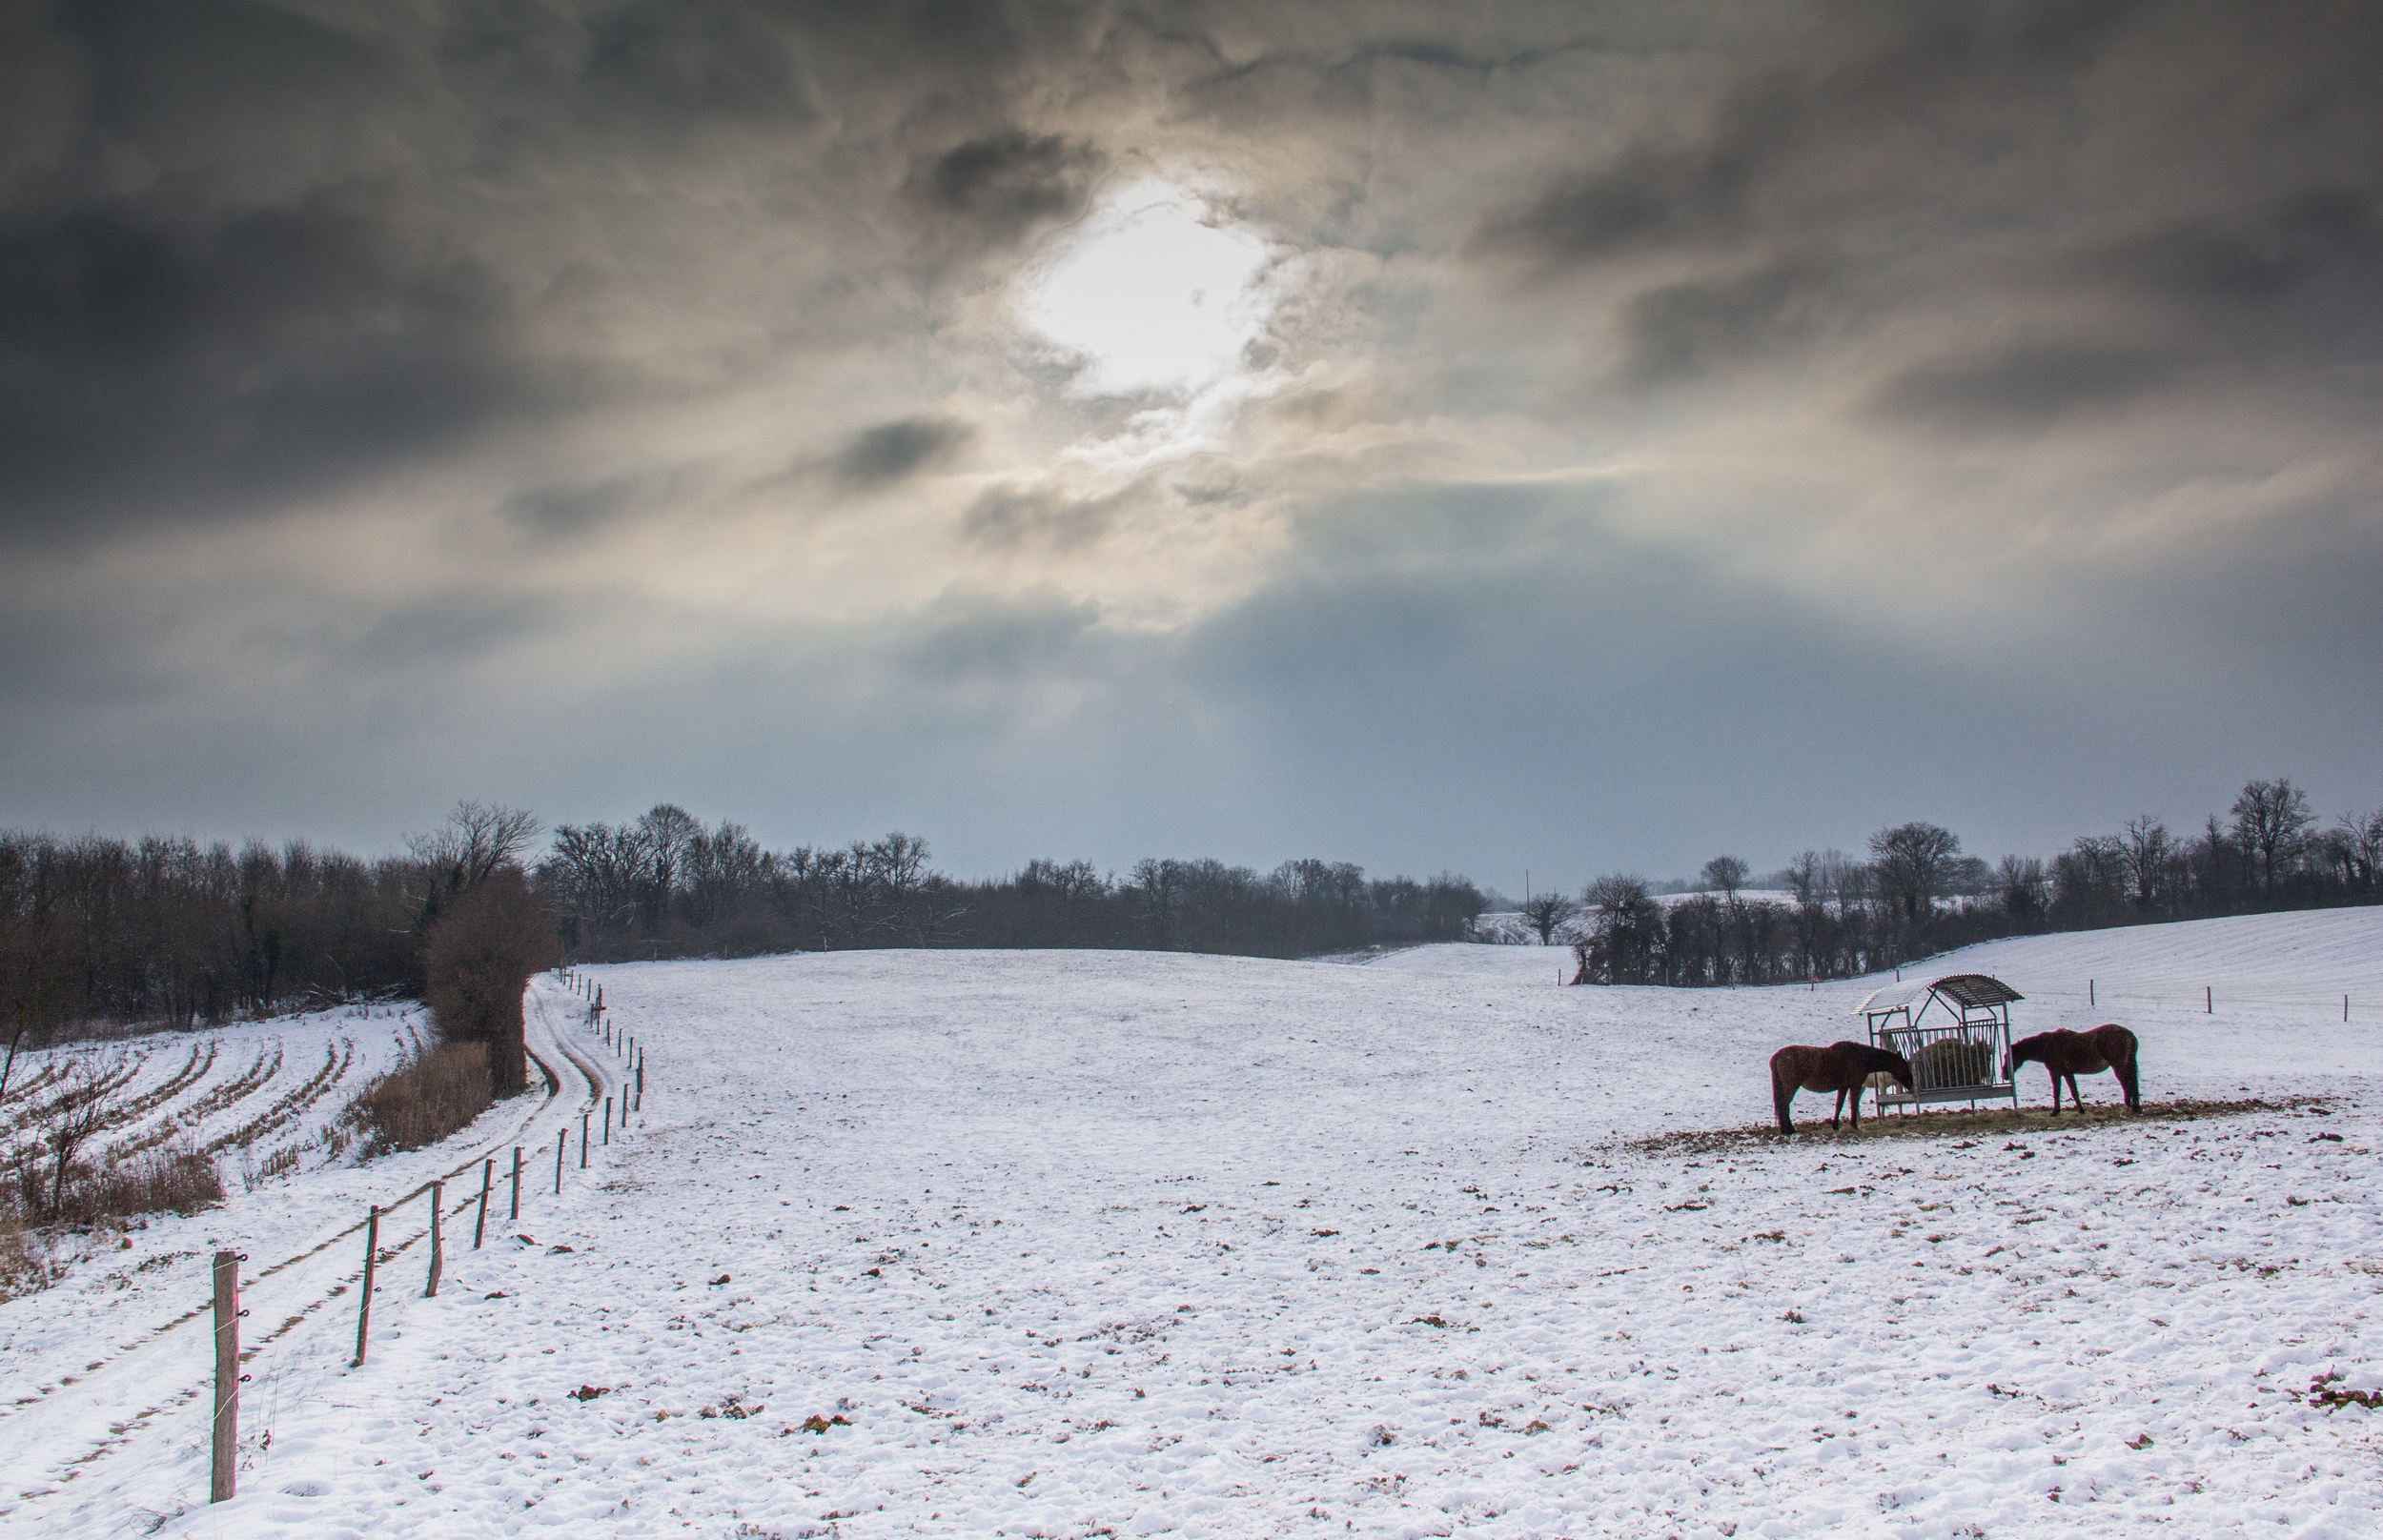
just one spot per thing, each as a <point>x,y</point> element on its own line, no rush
<point>283,1370</point>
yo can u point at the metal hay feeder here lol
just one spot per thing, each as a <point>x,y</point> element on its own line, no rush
<point>1956,1033</point>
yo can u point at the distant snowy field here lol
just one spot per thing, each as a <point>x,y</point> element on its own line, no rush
<point>1075,1244</point>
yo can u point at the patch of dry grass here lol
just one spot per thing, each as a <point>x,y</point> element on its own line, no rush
<point>35,1206</point>
<point>24,1263</point>
<point>1948,1124</point>
<point>425,1098</point>
<point>168,1182</point>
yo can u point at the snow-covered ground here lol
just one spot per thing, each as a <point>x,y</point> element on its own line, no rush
<point>1072,1244</point>
<point>95,1370</point>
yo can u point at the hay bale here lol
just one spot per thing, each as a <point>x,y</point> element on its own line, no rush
<point>1953,1062</point>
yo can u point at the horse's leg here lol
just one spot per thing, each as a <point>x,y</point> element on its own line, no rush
<point>2076,1098</point>
<point>2055,1074</point>
<point>1783,1095</point>
<point>1854,1115</point>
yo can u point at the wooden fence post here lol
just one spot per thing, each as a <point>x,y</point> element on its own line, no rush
<point>640,1085</point>
<point>437,1237</point>
<point>607,1120</point>
<point>364,1308</point>
<point>562,1143</point>
<point>487,1175</point>
<point>583,1117</point>
<point>515,1216</point>
<point>223,1479</point>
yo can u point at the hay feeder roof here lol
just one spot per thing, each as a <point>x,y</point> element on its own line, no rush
<point>1964,991</point>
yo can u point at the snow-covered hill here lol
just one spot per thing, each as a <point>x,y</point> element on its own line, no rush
<point>1072,1244</point>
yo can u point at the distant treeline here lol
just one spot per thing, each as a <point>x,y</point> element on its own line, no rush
<point>1919,895</point>
<point>665,885</point>
<point>98,933</point>
<point>174,933</point>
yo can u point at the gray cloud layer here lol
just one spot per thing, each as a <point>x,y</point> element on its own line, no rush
<point>1658,403</point>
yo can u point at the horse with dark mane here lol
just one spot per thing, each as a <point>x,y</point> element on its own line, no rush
<point>1839,1068</point>
<point>2068,1054</point>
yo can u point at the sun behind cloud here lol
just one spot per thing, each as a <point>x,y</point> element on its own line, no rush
<point>1152,292</point>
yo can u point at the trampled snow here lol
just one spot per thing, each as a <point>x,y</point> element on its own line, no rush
<point>1068,1244</point>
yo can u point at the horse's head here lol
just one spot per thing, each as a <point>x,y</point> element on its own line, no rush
<point>2021,1053</point>
<point>1898,1067</point>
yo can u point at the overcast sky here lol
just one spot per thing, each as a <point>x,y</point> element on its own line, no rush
<point>1588,437</point>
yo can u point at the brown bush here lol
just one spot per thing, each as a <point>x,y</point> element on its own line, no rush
<point>167,1181</point>
<point>424,1099</point>
<point>481,953</point>
<point>164,1181</point>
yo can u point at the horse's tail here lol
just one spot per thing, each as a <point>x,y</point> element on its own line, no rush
<point>1783,1090</point>
<point>2122,1063</point>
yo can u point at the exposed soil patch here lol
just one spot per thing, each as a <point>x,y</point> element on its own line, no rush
<point>1948,1124</point>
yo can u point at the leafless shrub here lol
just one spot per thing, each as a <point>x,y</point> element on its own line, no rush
<point>78,1110</point>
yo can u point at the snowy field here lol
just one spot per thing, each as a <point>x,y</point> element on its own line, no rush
<point>102,1375</point>
<point>1078,1243</point>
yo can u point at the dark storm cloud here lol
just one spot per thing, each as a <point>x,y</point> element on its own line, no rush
<point>1699,326</point>
<point>2025,387</point>
<point>2165,191</point>
<point>2262,263</point>
<point>1794,146</point>
<point>1005,183</point>
<point>252,259</point>
<point>155,372</point>
<point>681,62</point>
<point>892,452</point>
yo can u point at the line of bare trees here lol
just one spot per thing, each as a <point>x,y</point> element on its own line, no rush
<point>1919,894</point>
<point>173,933</point>
<point>98,933</point>
<point>665,885</point>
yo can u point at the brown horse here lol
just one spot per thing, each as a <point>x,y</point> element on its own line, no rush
<point>2069,1054</point>
<point>1839,1068</point>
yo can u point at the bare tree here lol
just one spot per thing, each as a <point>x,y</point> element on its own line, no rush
<point>2149,851</point>
<point>2362,834</point>
<point>2023,891</point>
<point>666,835</point>
<point>1545,911</point>
<point>1807,879</point>
<point>477,839</point>
<point>79,1110</point>
<point>1912,863</point>
<point>1725,875</point>
<point>2271,821</point>
<point>1626,936</point>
